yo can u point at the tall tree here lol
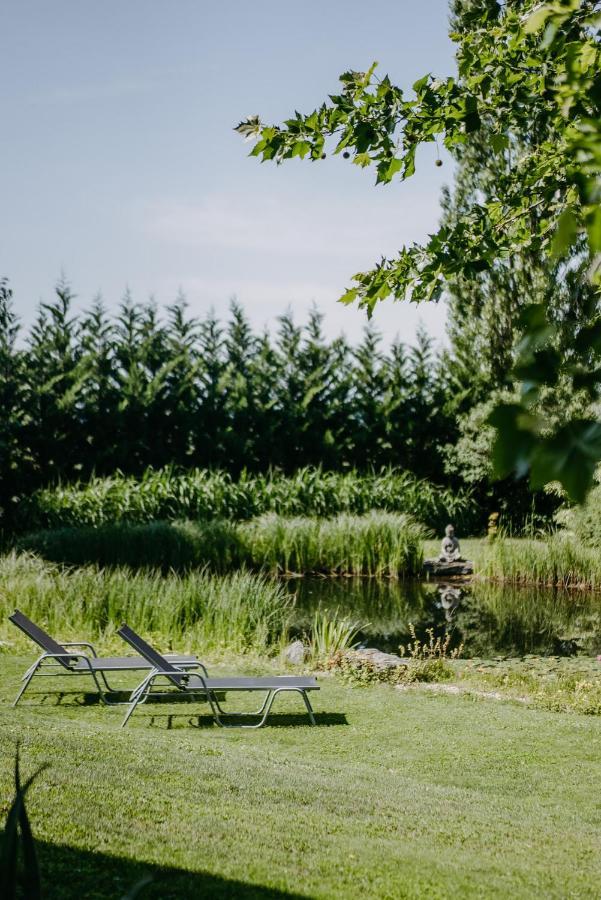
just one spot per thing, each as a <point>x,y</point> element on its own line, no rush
<point>529,70</point>
<point>15,456</point>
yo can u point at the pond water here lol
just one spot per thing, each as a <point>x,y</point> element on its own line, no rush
<point>488,619</point>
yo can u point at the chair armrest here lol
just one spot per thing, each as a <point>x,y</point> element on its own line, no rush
<point>169,673</point>
<point>81,644</point>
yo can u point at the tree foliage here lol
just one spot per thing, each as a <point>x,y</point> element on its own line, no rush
<point>95,393</point>
<point>529,79</point>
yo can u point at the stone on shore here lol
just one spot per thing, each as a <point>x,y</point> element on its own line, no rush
<point>379,659</point>
<point>439,568</point>
<point>295,653</point>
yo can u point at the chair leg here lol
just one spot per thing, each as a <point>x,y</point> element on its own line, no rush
<point>266,708</point>
<point>309,707</point>
<point>26,680</point>
<point>258,712</point>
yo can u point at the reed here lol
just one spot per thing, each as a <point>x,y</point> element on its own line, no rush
<point>240,612</point>
<point>380,544</point>
<point>376,544</point>
<point>167,546</point>
<point>557,560</point>
<point>202,494</point>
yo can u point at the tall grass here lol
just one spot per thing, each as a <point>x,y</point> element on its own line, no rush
<point>239,612</point>
<point>377,544</point>
<point>381,544</point>
<point>557,560</point>
<point>201,494</point>
<point>167,546</point>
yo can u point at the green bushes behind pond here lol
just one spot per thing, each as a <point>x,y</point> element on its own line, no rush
<point>200,494</point>
<point>382,544</point>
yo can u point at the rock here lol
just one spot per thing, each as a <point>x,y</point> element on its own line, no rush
<point>438,568</point>
<point>379,659</point>
<point>295,653</point>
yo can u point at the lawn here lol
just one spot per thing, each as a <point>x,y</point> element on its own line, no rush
<point>394,795</point>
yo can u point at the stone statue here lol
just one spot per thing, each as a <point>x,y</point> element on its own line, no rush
<point>449,549</point>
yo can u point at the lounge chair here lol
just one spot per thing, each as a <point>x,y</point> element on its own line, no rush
<point>200,684</point>
<point>61,660</point>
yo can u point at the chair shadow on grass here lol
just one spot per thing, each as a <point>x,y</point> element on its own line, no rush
<point>168,721</point>
<point>72,874</point>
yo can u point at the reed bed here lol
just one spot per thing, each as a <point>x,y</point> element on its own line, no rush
<point>166,546</point>
<point>240,612</point>
<point>557,560</point>
<point>201,494</point>
<point>377,544</point>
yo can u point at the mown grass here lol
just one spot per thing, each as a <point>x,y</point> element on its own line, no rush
<point>376,544</point>
<point>394,795</point>
<point>201,494</point>
<point>241,611</point>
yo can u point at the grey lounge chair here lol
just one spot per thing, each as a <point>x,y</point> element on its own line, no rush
<point>61,660</point>
<point>200,684</point>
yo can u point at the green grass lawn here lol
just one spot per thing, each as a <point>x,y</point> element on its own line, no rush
<point>394,795</point>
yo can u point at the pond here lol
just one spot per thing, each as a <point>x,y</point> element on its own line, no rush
<point>488,619</point>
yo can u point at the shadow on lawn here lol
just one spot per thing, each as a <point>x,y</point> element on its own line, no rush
<point>71,874</point>
<point>275,720</point>
<point>168,721</point>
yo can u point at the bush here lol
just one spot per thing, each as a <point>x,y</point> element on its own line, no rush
<point>357,669</point>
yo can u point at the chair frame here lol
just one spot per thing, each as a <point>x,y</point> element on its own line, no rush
<point>55,661</point>
<point>145,689</point>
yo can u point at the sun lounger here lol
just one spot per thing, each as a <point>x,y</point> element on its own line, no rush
<point>176,681</point>
<point>61,659</point>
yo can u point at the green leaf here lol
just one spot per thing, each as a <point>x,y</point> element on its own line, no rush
<point>537,19</point>
<point>499,142</point>
<point>514,441</point>
<point>566,233</point>
<point>570,456</point>
<point>593,227</point>
<point>349,296</point>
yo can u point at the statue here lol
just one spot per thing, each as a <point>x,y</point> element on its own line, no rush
<point>449,561</point>
<point>450,550</point>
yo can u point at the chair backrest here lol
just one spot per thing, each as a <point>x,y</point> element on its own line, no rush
<point>39,636</point>
<point>152,656</point>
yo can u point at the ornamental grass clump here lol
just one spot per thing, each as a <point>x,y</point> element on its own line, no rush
<point>332,634</point>
<point>168,546</point>
<point>378,544</point>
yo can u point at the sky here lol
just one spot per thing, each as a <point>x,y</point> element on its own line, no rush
<point>119,166</point>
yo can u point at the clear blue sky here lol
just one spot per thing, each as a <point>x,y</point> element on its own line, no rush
<point>119,165</point>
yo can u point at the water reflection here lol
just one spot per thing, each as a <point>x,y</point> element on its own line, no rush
<point>488,619</point>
